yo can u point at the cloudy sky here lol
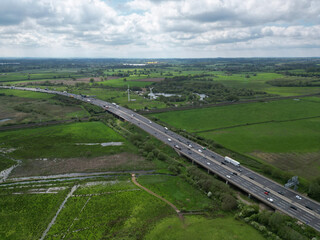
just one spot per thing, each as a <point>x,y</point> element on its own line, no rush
<point>159,28</point>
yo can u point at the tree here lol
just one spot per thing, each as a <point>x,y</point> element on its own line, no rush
<point>91,80</point>
<point>314,190</point>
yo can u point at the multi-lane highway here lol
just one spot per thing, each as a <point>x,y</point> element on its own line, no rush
<point>275,195</point>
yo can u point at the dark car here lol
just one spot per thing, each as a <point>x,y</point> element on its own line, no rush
<point>293,207</point>
<point>309,207</point>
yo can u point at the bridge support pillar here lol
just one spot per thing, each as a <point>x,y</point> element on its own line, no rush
<point>227,182</point>
<point>208,171</point>
<point>249,195</point>
<point>192,161</point>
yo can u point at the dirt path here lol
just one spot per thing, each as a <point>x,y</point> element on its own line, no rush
<point>59,210</point>
<point>180,215</point>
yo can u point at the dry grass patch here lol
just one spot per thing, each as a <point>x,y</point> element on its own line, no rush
<point>306,165</point>
<point>116,162</point>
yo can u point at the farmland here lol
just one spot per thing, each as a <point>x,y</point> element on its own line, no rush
<point>196,227</point>
<point>62,141</point>
<point>26,107</point>
<point>118,213</point>
<point>177,191</point>
<point>26,216</point>
<point>69,148</point>
<point>274,131</point>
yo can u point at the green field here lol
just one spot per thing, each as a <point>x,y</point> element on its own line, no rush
<point>61,141</point>
<point>195,227</point>
<point>241,81</point>
<point>26,94</point>
<point>283,133</point>
<point>176,190</point>
<point>8,77</point>
<point>118,214</point>
<point>290,146</point>
<point>5,162</point>
<point>233,115</point>
<point>27,216</point>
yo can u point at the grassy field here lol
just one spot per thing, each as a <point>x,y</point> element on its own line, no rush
<point>120,213</point>
<point>176,190</point>
<point>61,141</point>
<point>291,146</point>
<point>282,133</point>
<point>256,82</point>
<point>36,75</point>
<point>26,94</point>
<point>27,216</point>
<point>195,227</point>
<point>5,162</point>
<point>233,115</point>
<point>27,107</point>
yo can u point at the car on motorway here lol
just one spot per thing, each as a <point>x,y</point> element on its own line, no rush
<point>228,176</point>
<point>234,173</point>
<point>266,192</point>
<point>251,178</point>
<point>88,100</point>
<point>280,192</point>
<point>190,145</point>
<point>298,197</point>
<point>169,139</point>
<point>199,150</point>
<point>223,163</point>
<point>208,163</point>
<point>177,147</point>
<point>239,170</point>
<point>270,199</point>
<point>165,128</point>
<point>293,207</point>
<point>310,208</point>
<point>150,122</point>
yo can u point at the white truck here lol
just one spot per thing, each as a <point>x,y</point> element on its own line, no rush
<point>232,161</point>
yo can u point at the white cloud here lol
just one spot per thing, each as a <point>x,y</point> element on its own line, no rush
<point>150,28</point>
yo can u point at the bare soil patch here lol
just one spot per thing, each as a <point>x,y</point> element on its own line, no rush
<point>150,80</point>
<point>116,162</point>
<point>305,165</point>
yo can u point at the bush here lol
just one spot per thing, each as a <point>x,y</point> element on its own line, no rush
<point>229,203</point>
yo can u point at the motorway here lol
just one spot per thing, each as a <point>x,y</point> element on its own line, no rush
<point>271,193</point>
